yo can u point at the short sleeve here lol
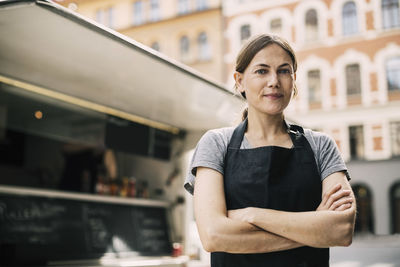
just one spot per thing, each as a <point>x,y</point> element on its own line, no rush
<point>209,152</point>
<point>329,158</point>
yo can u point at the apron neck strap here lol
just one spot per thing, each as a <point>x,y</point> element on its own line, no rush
<point>238,134</point>
<point>295,132</point>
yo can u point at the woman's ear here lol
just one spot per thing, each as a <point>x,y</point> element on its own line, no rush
<point>238,81</point>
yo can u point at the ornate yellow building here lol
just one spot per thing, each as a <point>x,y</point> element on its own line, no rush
<point>188,31</point>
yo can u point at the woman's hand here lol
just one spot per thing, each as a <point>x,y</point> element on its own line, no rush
<point>336,199</point>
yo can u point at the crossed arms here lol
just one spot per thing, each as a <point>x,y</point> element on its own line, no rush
<point>256,230</point>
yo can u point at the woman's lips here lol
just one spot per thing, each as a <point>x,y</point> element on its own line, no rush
<point>273,96</point>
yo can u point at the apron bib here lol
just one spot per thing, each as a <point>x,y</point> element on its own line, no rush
<point>275,178</point>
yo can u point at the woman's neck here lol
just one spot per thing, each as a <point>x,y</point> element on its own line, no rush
<point>265,127</point>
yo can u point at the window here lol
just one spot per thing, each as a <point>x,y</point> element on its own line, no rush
<point>311,25</point>
<point>395,205</point>
<point>184,48</point>
<point>349,18</point>
<point>154,10</point>
<point>390,14</point>
<point>245,32</point>
<point>105,17</point>
<point>155,46</point>
<point>356,136</point>
<point>100,16</point>
<point>393,73</point>
<point>204,50</point>
<point>138,13</point>
<point>276,26</point>
<point>110,12</point>
<point>353,81</point>
<point>183,6</point>
<point>364,218</point>
<point>395,138</point>
<point>201,4</point>
<point>314,86</point>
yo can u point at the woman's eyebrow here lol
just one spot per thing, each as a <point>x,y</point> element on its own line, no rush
<point>263,65</point>
<point>268,66</point>
<point>284,65</point>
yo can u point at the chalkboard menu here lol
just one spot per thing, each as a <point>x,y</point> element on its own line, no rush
<point>38,229</point>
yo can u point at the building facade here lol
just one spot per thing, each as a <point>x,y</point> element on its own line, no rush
<point>349,86</point>
<point>188,31</point>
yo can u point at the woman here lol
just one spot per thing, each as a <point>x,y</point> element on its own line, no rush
<point>267,193</point>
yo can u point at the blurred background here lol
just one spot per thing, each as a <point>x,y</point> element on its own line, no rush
<point>348,78</point>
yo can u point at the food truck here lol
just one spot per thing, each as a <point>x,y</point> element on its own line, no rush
<point>95,135</point>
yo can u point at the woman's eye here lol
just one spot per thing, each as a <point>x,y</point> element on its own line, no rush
<point>284,71</point>
<point>261,71</point>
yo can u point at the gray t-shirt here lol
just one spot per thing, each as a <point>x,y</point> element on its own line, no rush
<point>211,149</point>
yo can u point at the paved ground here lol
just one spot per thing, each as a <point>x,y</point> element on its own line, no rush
<point>368,251</point>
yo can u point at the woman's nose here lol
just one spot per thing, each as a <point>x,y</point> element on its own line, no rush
<point>273,80</point>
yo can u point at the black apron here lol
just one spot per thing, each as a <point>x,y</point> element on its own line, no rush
<point>276,178</point>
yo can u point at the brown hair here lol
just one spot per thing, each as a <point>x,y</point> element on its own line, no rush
<point>253,46</point>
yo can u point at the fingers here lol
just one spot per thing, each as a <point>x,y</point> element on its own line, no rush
<point>344,207</point>
<point>328,194</point>
<point>342,203</point>
<point>342,194</point>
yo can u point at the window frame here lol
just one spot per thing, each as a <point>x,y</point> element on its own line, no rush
<point>184,47</point>
<point>138,13</point>
<point>203,45</point>
<point>318,91</point>
<point>393,73</point>
<point>349,79</point>
<point>311,25</point>
<point>349,19</point>
<point>244,37</point>
<point>183,7</point>
<point>390,14</point>
<point>154,10</point>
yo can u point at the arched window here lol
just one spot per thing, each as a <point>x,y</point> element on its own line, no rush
<point>138,17</point>
<point>393,74</point>
<point>105,17</point>
<point>349,18</point>
<point>245,32</point>
<point>155,46</point>
<point>276,26</point>
<point>183,7</point>
<point>364,218</point>
<point>184,48</point>
<point>311,25</point>
<point>395,207</point>
<point>201,4</point>
<point>353,80</point>
<point>314,88</point>
<point>154,10</point>
<point>390,14</point>
<point>356,142</point>
<point>204,50</point>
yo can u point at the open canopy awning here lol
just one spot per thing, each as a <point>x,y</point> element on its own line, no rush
<point>53,51</point>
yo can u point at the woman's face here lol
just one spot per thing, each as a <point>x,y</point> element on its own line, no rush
<point>268,80</point>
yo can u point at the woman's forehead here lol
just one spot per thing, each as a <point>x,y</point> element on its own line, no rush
<point>272,54</point>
